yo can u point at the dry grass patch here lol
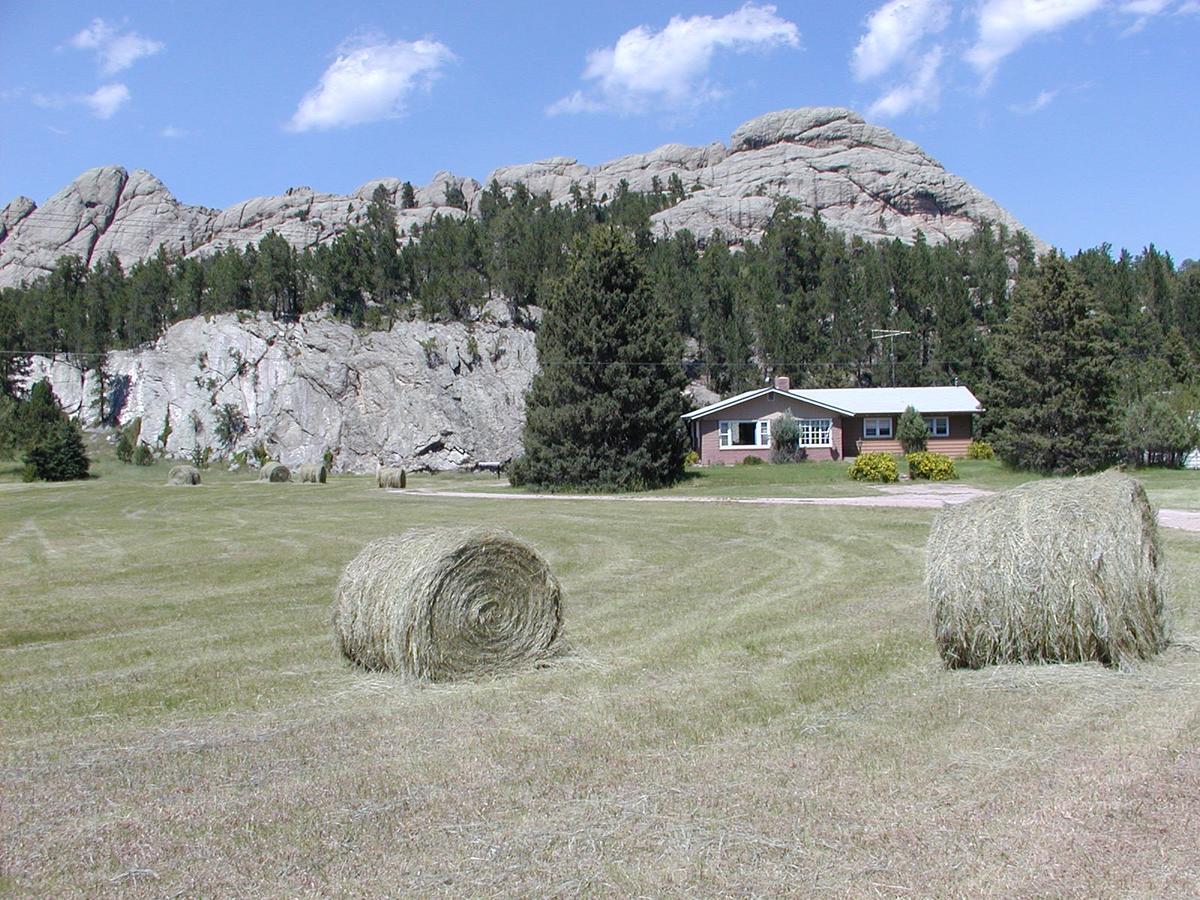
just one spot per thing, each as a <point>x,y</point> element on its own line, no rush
<point>755,708</point>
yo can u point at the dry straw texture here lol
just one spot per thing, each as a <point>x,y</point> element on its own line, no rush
<point>445,604</point>
<point>275,472</point>
<point>312,473</point>
<point>391,478</point>
<point>1063,570</point>
<point>183,475</point>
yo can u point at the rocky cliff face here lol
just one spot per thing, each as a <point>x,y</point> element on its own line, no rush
<point>421,396</point>
<point>862,178</point>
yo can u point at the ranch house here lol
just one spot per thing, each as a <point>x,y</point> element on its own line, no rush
<point>835,423</point>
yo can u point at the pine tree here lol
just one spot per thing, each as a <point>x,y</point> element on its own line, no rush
<point>604,411</point>
<point>58,455</point>
<point>912,431</point>
<point>1051,399</point>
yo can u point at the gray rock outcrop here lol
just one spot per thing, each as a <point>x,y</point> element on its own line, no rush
<point>861,178</point>
<point>421,396</point>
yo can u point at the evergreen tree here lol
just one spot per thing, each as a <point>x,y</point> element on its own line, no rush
<point>1051,398</point>
<point>36,416</point>
<point>604,410</point>
<point>59,454</point>
<point>912,431</point>
<point>408,197</point>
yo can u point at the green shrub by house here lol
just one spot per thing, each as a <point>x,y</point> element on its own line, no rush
<point>912,430</point>
<point>931,466</point>
<point>980,450</point>
<point>875,467</point>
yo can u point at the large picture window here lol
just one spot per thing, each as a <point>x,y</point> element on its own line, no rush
<point>877,428</point>
<point>816,432</point>
<point>744,433</point>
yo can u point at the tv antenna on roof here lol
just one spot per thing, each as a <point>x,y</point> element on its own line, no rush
<point>878,334</point>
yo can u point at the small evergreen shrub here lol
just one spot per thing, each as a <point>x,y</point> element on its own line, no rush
<point>980,450</point>
<point>879,467</point>
<point>128,439</point>
<point>58,454</point>
<point>785,440</point>
<point>752,461</point>
<point>143,455</point>
<point>931,466</point>
<point>912,431</point>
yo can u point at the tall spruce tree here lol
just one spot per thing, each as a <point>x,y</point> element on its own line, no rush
<point>1051,398</point>
<point>604,411</point>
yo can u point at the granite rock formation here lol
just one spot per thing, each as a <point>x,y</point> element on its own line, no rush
<point>861,178</point>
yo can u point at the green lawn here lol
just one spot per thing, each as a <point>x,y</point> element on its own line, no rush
<point>752,705</point>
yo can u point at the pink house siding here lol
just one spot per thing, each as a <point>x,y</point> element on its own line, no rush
<point>769,406</point>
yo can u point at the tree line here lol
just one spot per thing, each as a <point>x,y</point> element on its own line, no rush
<point>803,301</point>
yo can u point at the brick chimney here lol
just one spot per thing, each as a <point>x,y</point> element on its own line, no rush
<point>783,383</point>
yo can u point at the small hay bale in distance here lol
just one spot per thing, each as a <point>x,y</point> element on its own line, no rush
<point>391,478</point>
<point>275,473</point>
<point>312,473</point>
<point>183,475</point>
<point>446,604</point>
<point>1063,570</point>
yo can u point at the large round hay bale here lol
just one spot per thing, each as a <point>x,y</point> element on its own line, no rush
<point>444,604</point>
<point>312,473</point>
<point>1063,570</point>
<point>275,472</point>
<point>183,475</point>
<point>391,478</point>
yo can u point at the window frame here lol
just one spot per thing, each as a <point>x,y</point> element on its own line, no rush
<point>933,432</point>
<point>822,428</point>
<point>727,431</point>
<point>878,436</point>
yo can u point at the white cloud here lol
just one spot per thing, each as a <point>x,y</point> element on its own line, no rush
<point>894,32</point>
<point>117,51</point>
<point>1041,101</point>
<point>171,132</point>
<point>106,100</point>
<point>669,68</point>
<point>921,91</point>
<point>1005,25</point>
<point>370,83</point>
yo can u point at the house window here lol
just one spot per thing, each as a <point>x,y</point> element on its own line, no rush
<point>744,433</point>
<point>816,432</point>
<point>877,428</point>
<point>939,426</point>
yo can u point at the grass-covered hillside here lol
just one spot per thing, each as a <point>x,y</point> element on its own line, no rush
<point>752,705</point>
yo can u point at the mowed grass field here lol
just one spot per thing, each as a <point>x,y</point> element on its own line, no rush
<point>752,706</point>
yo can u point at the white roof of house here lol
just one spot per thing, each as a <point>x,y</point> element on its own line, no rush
<point>896,399</point>
<point>863,401</point>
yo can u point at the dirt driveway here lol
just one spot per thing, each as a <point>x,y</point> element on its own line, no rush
<point>903,496</point>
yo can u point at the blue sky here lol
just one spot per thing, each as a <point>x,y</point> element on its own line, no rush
<point>1079,116</point>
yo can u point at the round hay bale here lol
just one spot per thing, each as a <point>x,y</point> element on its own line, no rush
<point>445,604</point>
<point>183,475</point>
<point>391,478</point>
<point>312,473</point>
<point>275,472</point>
<point>1063,570</point>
